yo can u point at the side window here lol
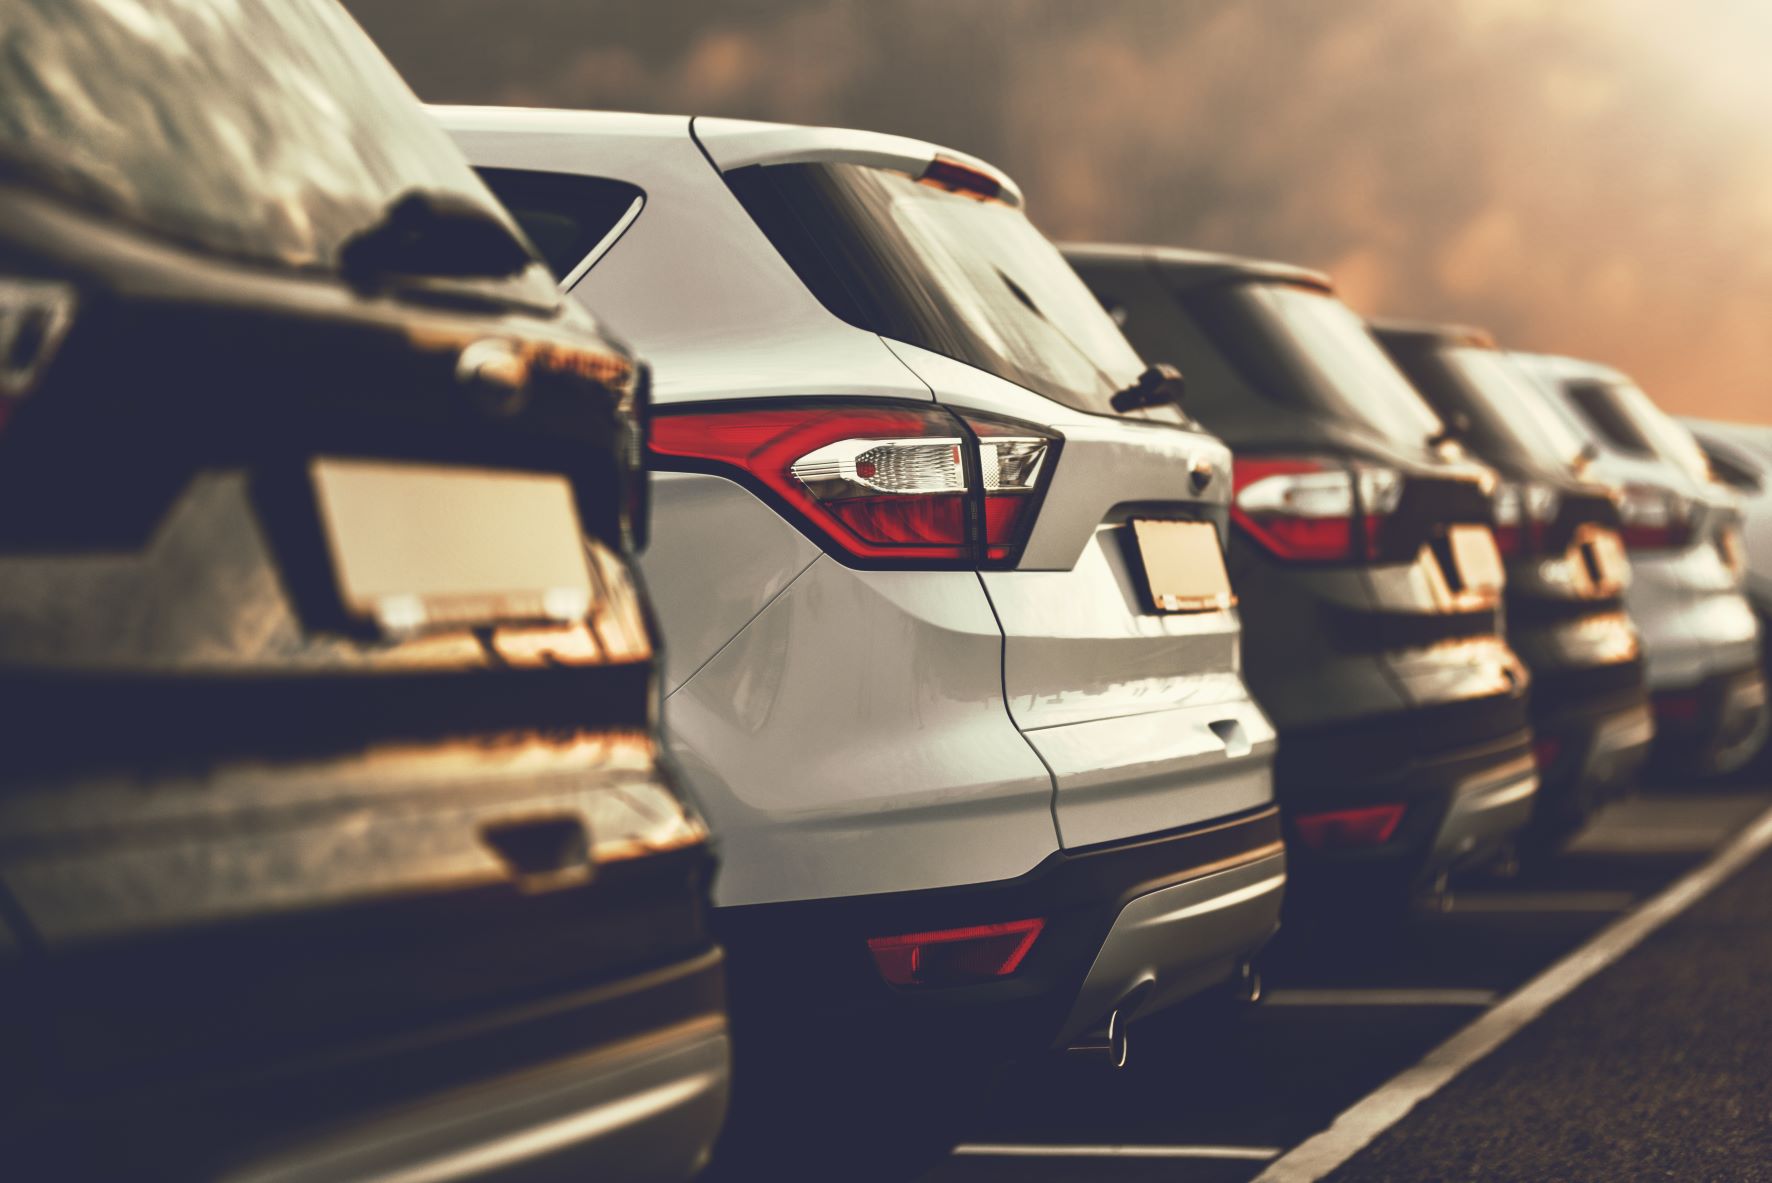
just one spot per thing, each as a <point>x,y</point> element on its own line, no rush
<point>1608,418</point>
<point>567,217</point>
<point>1733,469</point>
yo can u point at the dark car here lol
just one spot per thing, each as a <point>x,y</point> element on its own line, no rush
<point>1566,570</point>
<point>1362,556</point>
<point>334,841</point>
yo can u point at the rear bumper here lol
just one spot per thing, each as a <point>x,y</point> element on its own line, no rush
<point>1462,804</point>
<point>1164,916</point>
<point>1590,752</point>
<point>1715,726</point>
<point>647,1108</point>
<point>626,1079</point>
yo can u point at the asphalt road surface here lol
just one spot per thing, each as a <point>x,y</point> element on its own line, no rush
<point>1658,1066</point>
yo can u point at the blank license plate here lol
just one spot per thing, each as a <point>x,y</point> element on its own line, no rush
<point>1478,560</point>
<point>417,546</point>
<point>1183,565</point>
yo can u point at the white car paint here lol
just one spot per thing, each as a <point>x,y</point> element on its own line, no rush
<point>1748,446</point>
<point>1688,604</point>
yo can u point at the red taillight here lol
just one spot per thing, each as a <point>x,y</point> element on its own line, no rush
<point>955,956</point>
<point>1653,518</point>
<point>1308,510</point>
<point>944,172</point>
<point>1681,706</point>
<point>1371,825</point>
<point>1523,517</point>
<point>882,481</point>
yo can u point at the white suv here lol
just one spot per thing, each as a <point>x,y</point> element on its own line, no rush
<point>1687,590</point>
<point>953,661</point>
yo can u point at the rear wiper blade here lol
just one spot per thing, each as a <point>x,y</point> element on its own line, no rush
<point>1160,385</point>
<point>435,233</point>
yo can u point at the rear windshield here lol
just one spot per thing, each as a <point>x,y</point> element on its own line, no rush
<point>1631,421</point>
<point>1508,418</point>
<point>271,130</point>
<point>968,278</point>
<point>1304,348</point>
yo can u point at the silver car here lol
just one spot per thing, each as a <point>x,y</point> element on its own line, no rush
<point>953,661</point>
<point>1683,531</point>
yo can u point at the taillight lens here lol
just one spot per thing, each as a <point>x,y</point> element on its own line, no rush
<point>882,481</point>
<point>1012,462</point>
<point>955,956</point>
<point>1523,517</point>
<point>1654,518</point>
<point>1371,825</point>
<point>1308,510</point>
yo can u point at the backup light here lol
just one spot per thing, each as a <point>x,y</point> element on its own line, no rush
<point>1371,825</point>
<point>955,956</point>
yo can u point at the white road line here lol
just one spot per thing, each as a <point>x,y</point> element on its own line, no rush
<point>1036,1150</point>
<point>1493,902</point>
<point>1390,1102</point>
<point>1665,840</point>
<point>1426,996</point>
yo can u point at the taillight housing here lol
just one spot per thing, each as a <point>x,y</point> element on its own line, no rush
<point>1653,518</point>
<point>880,483</point>
<point>1306,509</point>
<point>1523,517</point>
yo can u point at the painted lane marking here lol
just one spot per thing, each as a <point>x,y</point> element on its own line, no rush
<point>1427,996</point>
<point>1507,902</point>
<point>1379,1110</point>
<point>1037,1150</point>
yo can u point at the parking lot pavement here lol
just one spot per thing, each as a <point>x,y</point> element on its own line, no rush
<point>1636,1057</point>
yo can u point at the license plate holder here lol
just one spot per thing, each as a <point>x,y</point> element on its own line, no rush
<point>1183,565</point>
<point>416,547</point>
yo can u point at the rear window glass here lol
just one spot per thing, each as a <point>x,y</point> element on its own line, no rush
<point>266,129</point>
<point>566,217</point>
<point>1507,416</point>
<point>968,278</point>
<point>1303,347</point>
<point>1628,418</point>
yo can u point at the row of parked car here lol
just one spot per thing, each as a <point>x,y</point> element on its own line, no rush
<point>1009,673</point>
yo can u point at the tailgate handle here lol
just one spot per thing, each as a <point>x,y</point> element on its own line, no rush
<point>542,854</point>
<point>1231,733</point>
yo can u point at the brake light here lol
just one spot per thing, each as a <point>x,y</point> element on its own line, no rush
<point>1371,825</point>
<point>1523,517</point>
<point>947,173</point>
<point>1654,518</point>
<point>1309,510</point>
<point>1679,706</point>
<point>1545,750</point>
<point>881,481</point>
<point>955,956</point>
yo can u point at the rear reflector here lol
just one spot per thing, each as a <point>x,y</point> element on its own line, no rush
<point>902,483</point>
<point>1680,707</point>
<point>1369,826</point>
<point>1545,750</point>
<point>955,956</point>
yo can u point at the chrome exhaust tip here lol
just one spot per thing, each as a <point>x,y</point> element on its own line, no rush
<point>1247,985</point>
<point>1107,1044</point>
